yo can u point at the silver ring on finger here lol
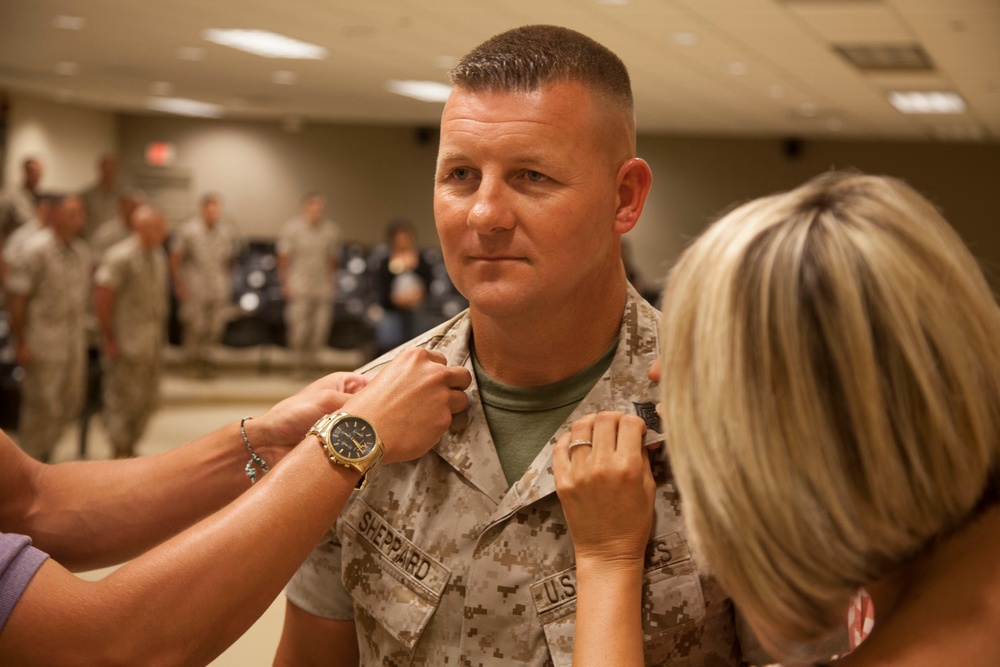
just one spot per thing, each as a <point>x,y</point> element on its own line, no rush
<point>578,442</point>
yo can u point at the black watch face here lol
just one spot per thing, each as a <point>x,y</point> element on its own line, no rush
<point>353,438</point>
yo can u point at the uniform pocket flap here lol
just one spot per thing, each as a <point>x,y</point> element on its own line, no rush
<point>389,577</point>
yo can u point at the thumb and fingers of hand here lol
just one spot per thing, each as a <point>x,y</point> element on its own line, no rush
<point>607,491</point>
<point>412,400</point>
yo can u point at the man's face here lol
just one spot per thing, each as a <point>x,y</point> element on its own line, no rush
<point>525,196</point>
<point>312,209</point>
<point>109,170</point>
<point>32,173</point>
<point>152,230</point>
<point>210,211</point>
<point>68,217</point>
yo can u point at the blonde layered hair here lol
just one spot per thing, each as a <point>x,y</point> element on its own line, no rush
<point>831,393</point>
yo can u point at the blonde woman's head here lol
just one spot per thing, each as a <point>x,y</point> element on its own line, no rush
<point>831,390</point>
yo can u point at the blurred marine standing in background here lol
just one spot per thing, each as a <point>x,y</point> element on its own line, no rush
<point>130,300</point>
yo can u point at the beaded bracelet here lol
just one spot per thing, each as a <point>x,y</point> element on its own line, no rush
<point>254,459</point>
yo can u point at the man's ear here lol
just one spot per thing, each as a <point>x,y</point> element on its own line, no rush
<point>633,183</point>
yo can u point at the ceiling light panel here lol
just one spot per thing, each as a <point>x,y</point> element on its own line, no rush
<point>926,101</point>
<point>425,91</point>
<point>184,107</point>
<point>265,43</point>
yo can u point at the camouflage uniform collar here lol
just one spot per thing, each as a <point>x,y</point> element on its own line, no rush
<point>468,447</point>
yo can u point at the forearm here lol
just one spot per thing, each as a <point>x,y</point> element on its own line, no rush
<point>18,315</point>
<point>608,614</point>
<point>98,513</point>
<point>263,537</point>
<point>188,599</point>
<point>281,267</point>
<point>174,260</point>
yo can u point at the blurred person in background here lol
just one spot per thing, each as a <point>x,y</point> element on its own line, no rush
<point>15,242</point>
<point>18,204</point>
<point>116,228</point>
<point>48,285</point>
<point>101,200</point>
<point>131,304</point>
<point>202,254</point>
<point>402,277</point>
<point>308,251</point>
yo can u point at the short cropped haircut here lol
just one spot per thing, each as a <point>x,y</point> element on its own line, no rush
<point>831,392</point>
<point>527,58</point>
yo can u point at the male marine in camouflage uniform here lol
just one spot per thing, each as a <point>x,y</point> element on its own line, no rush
<point>130,300</point>
<point>201,262</point>
<point>49,293</point>
<point>116,228</point>
<point>463,557</point>
<point>307,267</point>
<point>17,204</point>
<point>102,198</point>
<point>18,209</point>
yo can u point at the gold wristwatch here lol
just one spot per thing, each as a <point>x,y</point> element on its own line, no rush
<point>350,441</point>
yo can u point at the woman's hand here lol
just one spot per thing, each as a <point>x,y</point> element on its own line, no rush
<point>606,488</point>
<point>285,424</point>
<point>411,402</point>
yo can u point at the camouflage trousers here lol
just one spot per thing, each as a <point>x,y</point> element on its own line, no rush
<point>52,394</point>
<point>130,392</point>
<point>308,320</point>
<point>204,324</point>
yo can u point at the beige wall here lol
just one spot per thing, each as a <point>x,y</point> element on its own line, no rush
<point>369,174</point>
<point>694,179</point>
<point>67,139</point>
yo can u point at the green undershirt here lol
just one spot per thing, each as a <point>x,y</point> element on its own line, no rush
<point>522,419</point>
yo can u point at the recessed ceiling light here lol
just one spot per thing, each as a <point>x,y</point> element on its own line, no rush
<point>284,77</point>
<point>184,107</point>
<point>684,38</point>
<point>775,91</point>
<point>926,101</point>
<point>265,43</point>
<point>69,22</point>
<point>426,91</point>
<point>194,53</point>
<point>67,68</point>
<point>808,109</point>
<point>834,124</point>
<point>613,2</point>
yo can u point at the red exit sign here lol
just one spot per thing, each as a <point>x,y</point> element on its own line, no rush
<point>160,154</point>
